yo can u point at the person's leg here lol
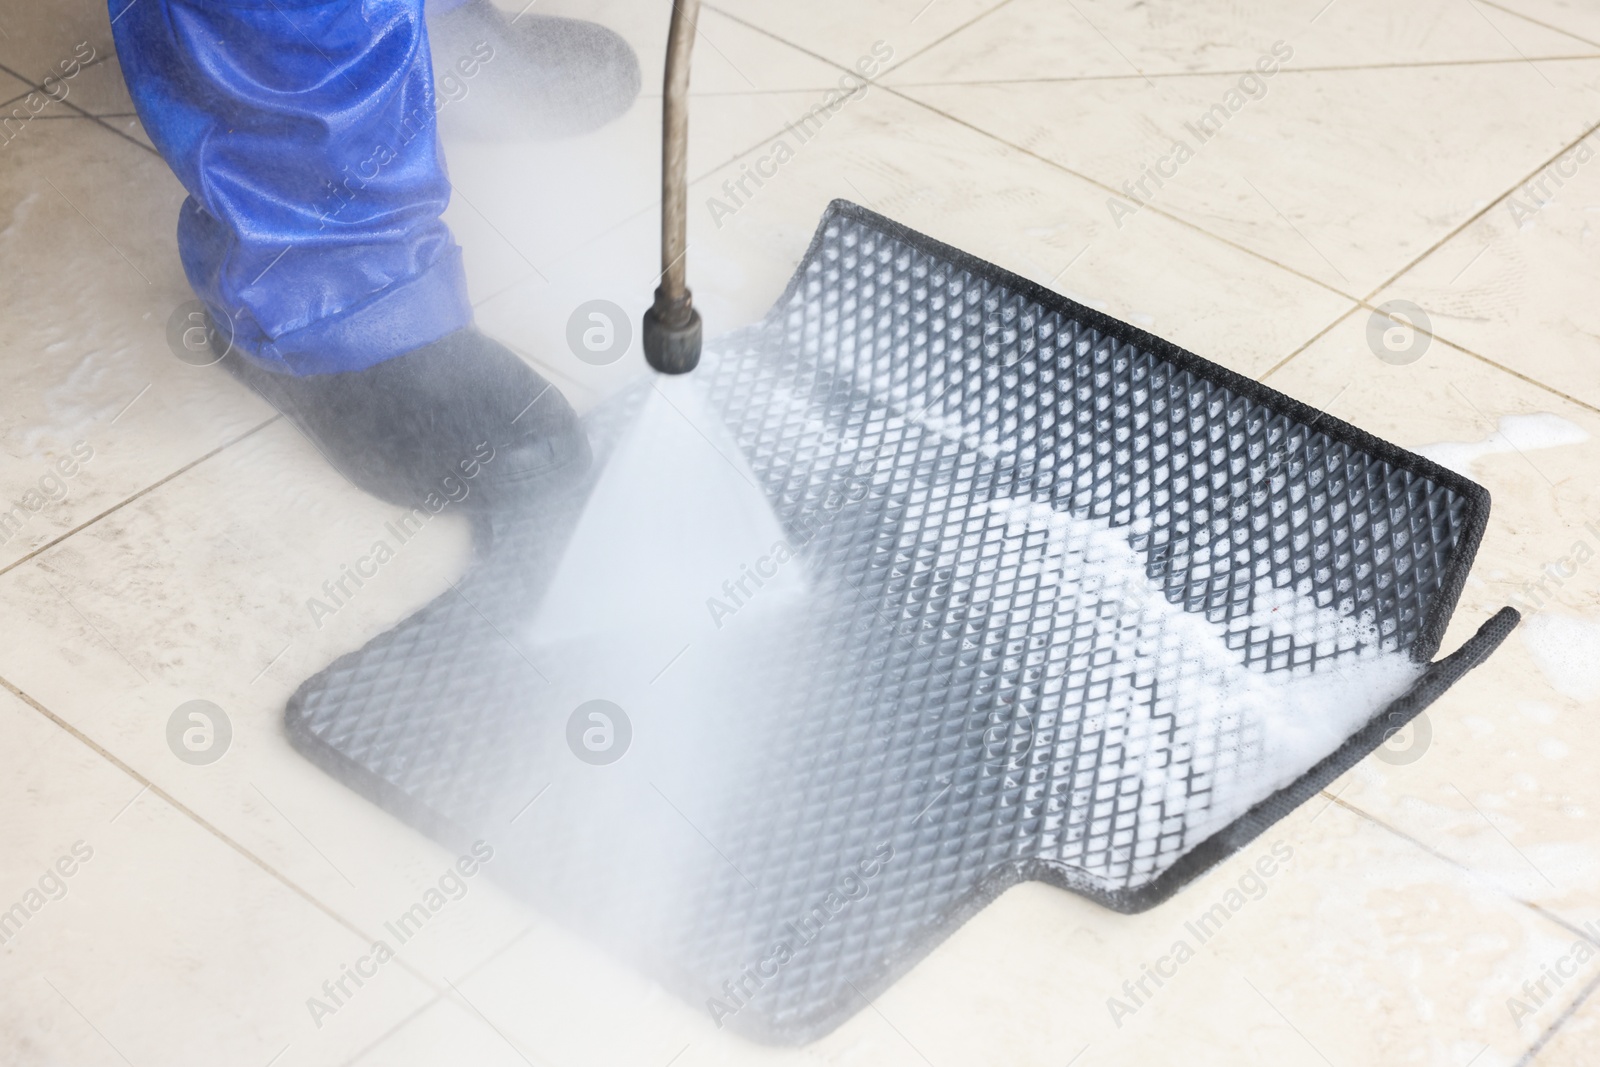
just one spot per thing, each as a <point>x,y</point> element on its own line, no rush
<point>304,133</point>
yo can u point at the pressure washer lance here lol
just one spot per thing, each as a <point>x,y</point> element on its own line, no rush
<point>671,324</point>
<point>677,509</point>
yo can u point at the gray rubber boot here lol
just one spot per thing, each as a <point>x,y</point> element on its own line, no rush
<point>498,75</point>
<point>460,423</point>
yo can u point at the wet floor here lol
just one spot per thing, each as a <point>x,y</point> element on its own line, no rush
<point>166,535</point>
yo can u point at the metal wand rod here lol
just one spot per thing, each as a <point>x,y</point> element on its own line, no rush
<point>672,325</point>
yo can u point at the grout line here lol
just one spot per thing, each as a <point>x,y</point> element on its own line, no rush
<point>1463,349</point>
<point>728,94</point>
<point>152,487</point>
<point>1055,165</point>
<point>67,103</point>
<point>1563,394</point>
<point>80,118</point>
<point>438,998</point>
<point>1490,23</point>
<point>205,825</point>
<point>1331,68</point>
<point>1481,212</point>
<point>1358,302</point>
<point>1557,1023</point>
<point>941,40</point>
<point>1489,882</point>
<point>33,88</point>
<point>1366,302</point>
<point>1536,22</point>
<point>1538,909</point>
<point>1313,339</point>
<point>487,1022</point>
<point>112,244</point>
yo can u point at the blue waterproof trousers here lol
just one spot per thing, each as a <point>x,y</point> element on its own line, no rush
<point>304,133</point>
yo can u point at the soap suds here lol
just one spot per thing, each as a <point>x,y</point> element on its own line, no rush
<point>1516,433</point>
<point>1567,650</point>
<point>1207,735</point>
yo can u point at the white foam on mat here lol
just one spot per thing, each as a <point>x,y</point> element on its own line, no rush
<point>1244,731</point>
<point>1148,691</point>
<point>1221,736</point>
<point>1169,695</point>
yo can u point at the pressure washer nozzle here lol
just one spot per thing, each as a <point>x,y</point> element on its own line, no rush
<point>672,334</point>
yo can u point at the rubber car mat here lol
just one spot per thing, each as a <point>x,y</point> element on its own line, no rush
<point>1087,609</point>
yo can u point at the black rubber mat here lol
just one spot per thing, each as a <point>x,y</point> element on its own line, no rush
<point>1087,609</point>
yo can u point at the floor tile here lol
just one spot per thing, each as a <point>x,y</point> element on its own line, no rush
<point>846,33</point>
<point>936,176</point>
<point>1570,16</point>
<point>1037,39</point>
<point>1373,953</point>
<point>99,88</point>
<point>1573,1043</point>
<point>1355,936</point>
<point>446,1032</point>
<point>148,940</point>
<point>35,38</point>
<point>123,623</point>
<point>94,86</point>
<point>1500,784</point>
<point>1322,172</point>
<point>1419,912</point>
<point>90,382</point>
<point>130,127</point>
<point>729,57</point>
<point>12,87</point>
<point>1517,285</point>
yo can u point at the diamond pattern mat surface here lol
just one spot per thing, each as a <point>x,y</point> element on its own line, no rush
<point>1082,607</point>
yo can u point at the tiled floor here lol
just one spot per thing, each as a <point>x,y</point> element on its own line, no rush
<point>1437,152</point>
